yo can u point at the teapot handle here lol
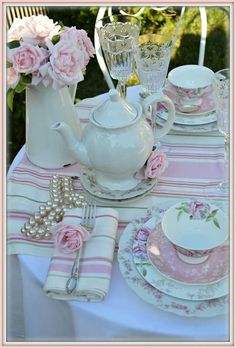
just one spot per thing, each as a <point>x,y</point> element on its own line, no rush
<point>156,98</point>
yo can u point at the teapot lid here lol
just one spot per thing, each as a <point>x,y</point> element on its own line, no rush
<point>114,112</point>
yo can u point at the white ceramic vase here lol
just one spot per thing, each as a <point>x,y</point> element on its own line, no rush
<point>45,106</point>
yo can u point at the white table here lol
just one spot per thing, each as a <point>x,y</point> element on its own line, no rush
<point>122,316</point>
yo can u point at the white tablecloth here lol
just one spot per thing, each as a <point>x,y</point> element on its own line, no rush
<point>122,316</point>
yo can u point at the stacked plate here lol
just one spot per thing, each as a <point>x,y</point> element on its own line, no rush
<point>152,267</point>
<point>201,120</point>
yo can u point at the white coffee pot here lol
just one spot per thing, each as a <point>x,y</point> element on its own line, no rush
<point>118,139</point>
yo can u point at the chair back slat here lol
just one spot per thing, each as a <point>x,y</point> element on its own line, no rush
<point>23,11</point>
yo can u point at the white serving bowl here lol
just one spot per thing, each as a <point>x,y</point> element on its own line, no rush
<point>195,228</point>
<point>190,82</point>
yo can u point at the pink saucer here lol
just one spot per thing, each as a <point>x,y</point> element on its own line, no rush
<point>206,106</point>
<point>163,256</point>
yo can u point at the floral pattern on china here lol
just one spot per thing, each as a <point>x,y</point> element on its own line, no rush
<point>206,308</point>
<point>195,228</point>
<point>198,211</point>
<point>40,51</point>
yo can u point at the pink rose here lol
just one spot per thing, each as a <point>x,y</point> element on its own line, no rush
<point>140,250</point>
<point>66,63</point>
<point>83,42</point>
<point>156,164</point>
<point>35,29</point>
<point>198,210</point>
<point>13,77</point>
<point>143,234</point>
<point>70,238</point>
<point>41,75</point>
<point>15,31</point>
<point>26,58</point>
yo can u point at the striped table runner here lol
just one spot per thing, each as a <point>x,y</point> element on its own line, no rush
<point>196,165</point>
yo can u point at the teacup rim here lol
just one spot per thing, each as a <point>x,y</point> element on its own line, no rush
<point>182,245</point>
<point>184,68</point>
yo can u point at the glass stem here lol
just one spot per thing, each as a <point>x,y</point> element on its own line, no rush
<point>121,87</point>
<point>226,159</point>
<point>226,148</point>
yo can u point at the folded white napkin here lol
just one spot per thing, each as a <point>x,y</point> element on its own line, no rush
<point>95,263</point>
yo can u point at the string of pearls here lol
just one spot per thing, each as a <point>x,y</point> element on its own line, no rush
<point>62,197</point>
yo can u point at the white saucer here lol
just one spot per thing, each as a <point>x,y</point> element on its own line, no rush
<point>89,183</point>
<point>188,120</point>
<point>153,276</point>
<point>209,127</point>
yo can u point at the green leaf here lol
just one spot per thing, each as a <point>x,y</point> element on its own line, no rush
<point>179,208</point>
<point>8,65</point>
<point>144,272</point>
<point>26,78</point>
<point>216,223</point>
<point>55,39</point>
<point>179,213</point>
<point>20,87</point>
<point>185,210</point>
<point>61,24</point>
<point>213,213</point>
<point>13,44</point>
<point>10,97</point>
<point>209,218</point>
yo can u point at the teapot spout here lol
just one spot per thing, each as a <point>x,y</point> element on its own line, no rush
<point>75,146</point>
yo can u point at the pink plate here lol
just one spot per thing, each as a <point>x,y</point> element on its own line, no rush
<point>163,256</point>
<point>206,106</point>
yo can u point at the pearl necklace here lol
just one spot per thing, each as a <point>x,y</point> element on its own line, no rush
<point>62,197</point>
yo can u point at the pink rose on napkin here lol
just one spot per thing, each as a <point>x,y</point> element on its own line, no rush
<point>156,164</point>
<point>70,238</point>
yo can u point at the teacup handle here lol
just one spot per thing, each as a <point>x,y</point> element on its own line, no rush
<point>156,98</point>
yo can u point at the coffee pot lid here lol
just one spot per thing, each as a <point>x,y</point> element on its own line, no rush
<point>114,112</point>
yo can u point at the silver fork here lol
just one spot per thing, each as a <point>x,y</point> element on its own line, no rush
<point>88,222</point>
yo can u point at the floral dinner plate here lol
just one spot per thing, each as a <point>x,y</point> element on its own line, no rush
<point>169,286</point>
<point>164,257</point>
<point>150,294</point>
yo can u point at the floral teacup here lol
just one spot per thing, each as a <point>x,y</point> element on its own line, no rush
<point>190,82</point>
<point>195,228</point>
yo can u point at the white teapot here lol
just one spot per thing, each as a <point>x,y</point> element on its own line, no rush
<point>117,141</point>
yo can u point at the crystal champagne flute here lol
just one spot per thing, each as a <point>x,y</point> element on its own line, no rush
<point>221,90</point>
<point>118,36</point>
<point>152,58</point>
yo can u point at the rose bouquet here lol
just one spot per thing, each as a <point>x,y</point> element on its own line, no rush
<point>40,51</point>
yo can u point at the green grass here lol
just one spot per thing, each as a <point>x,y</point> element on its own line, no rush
<point>185,52</point>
